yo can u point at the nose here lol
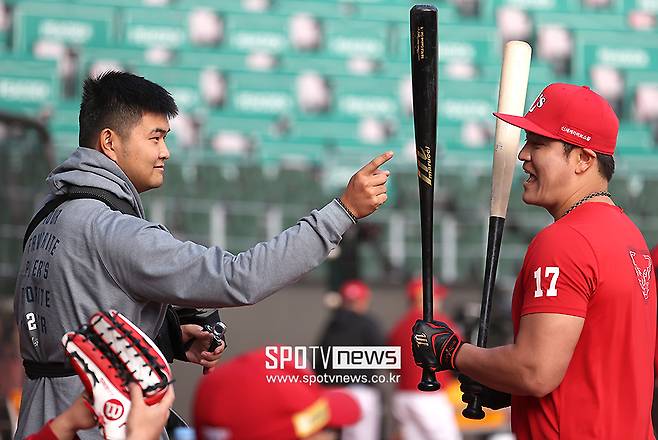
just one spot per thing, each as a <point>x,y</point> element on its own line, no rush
<point>524,154</point>
<point>164,151</point>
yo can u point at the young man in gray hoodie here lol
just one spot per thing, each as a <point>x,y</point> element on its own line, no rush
<point>86,257</point>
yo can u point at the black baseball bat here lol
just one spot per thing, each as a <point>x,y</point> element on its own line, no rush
<point>424,54</point>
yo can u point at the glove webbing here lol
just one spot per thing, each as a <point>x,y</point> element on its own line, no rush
<point>134,342</point>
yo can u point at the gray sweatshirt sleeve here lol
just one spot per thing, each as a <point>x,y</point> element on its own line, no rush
<point>150,264</point>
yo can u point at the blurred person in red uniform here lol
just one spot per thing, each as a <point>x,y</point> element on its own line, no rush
<point>352,325</point>
<point>428,416</point>
<point>245,400</point>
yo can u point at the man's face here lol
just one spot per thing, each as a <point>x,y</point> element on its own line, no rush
<point>549,171</point>
<point>142,153</point>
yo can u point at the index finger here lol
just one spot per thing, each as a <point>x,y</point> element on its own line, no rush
<point>371,166</point>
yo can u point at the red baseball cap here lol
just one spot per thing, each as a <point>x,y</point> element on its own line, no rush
<point>415,289</point>
<point>573,114</point>
<point>354,290</point>
<point>238,402</point>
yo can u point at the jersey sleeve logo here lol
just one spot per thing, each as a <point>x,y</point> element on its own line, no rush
<point>643,269</point>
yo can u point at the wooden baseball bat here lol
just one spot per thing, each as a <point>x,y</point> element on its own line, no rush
<point>424,54</point>
<point>511,100</point>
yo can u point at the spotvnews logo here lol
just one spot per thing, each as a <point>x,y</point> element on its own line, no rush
<point>338,357</point>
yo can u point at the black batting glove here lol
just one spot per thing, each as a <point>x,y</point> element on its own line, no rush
<point>489,398</point>
<point>435,345</point>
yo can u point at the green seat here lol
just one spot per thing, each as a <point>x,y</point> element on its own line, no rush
<point>350,38</point>
<point>622,50</point>
<point>148,27</point>
<point>584,21</point>
<point>635,137</point>
<point>81,25</point>
<point>366,96</point>
<point>257,32</point>
<point>217,59</point>
<point>633,79</point>
<point>326,130</point>
<point>538,5</point>
<point>306,153</point>
<point>325,65</point>
<point>460,101</point>
<point>453,152</point>
<point>253,126</point>
<point>27,85</point>
<point>260,93</point>
<point>317,8</point>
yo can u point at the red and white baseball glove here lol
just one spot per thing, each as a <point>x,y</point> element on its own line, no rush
<point>108,354</point>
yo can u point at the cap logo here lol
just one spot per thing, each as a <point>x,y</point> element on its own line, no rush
<point>539,102</point>
<point>576,133</point>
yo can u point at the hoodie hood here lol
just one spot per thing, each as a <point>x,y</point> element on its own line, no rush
<point>90,168</point>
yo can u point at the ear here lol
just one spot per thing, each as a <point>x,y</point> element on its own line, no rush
<point>109,143</point>
<point>586,160</point>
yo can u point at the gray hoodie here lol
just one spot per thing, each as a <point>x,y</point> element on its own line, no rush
<point>86,257</point>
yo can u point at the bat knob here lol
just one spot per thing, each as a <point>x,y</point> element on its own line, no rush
<point>474,410</point>
<point>428,382</point>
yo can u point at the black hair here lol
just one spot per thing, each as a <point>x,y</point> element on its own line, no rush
<point>117,100</point>
<point>605,161</point>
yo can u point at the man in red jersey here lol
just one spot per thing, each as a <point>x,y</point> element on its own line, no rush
<point>429,416</point>
<point>584,304</point>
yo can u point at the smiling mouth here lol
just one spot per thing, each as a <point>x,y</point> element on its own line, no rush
<point>531,177</point>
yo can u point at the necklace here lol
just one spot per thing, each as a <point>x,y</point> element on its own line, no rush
<point>586,198</point>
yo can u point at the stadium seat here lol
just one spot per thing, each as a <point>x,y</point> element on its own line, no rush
<point>77,26</point>
<point>352,38</point>
<point>299,152</point>
<point>144,27</point>
<point>366,96</point>
<point>253,126</point>
<point>260,93</point>
<point>623,50</point>
<point>257,32</point>
<point>218,59</point>
<point>27,85</point>
<point>581,21</point>
<point>317,8</point>
<point>476,101</point>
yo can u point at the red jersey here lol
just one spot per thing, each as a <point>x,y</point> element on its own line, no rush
<point>595,264</point>
<point>410,373</point>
